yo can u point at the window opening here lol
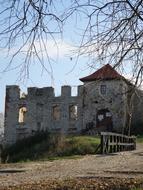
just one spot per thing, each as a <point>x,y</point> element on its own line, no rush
<point>73,112</point>
<point>103,89</point>
<point>22,114</point>
<point>56,112</point>
<point>74,90</point>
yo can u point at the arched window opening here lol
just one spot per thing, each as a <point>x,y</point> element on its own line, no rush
<point>22,114</point>
<point>56,112</point>
<point>73,112</point>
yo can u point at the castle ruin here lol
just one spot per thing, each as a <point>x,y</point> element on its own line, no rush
<point>103,103</point>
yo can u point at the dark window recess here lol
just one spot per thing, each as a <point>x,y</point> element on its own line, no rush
<point>103,89</point>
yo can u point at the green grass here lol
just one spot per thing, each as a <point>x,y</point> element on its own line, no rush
<point>140,139</point>
<point>50,147</point>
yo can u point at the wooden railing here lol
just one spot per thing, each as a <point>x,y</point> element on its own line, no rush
<point>113,142</point>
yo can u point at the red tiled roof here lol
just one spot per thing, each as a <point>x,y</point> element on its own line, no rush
<point>107,72</point>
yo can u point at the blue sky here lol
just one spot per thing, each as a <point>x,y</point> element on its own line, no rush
<point>66,69</point>
<point>62,66</point>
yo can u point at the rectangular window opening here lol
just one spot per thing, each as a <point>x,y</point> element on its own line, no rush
<point>56,112</point>
<point>103,89</point>
<point>22,114</point>
<point>73,112</point>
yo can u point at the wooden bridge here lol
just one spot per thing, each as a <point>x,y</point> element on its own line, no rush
<point>113,142</point>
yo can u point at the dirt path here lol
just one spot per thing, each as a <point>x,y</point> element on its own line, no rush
<point>124,165</point>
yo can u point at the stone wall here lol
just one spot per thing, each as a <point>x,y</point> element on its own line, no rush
<point>11,113</point>
<point>101,105</point>
<point>38,108</point>
<point>114,100</point>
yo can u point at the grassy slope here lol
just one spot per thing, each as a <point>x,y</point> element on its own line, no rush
<point>50,147</point>
<point>140,139</point>
<point>42,147</point>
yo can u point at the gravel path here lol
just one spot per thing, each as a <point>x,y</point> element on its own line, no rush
<point>124,165</point>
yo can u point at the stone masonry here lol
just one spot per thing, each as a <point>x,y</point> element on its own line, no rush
<point>103,103</point>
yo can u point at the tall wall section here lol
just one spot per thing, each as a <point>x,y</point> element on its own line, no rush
<point>11,113</point>
<point>41,110</point>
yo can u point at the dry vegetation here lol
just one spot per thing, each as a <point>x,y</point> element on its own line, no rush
<point>80,184</point>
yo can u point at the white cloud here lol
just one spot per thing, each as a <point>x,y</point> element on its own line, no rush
<point>54,49</point>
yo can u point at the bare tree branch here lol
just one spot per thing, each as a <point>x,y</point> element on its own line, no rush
<point>26,23</point>
<point>112,30</point>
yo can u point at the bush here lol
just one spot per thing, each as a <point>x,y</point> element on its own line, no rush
<point>25,148</point>
<point>137,129</point>
<point>76,145</point>
<point>43,145</point>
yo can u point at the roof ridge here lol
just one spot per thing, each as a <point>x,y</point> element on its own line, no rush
<point>105,73</point>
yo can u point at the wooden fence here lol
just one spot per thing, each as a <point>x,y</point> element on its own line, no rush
<point>113,142</point>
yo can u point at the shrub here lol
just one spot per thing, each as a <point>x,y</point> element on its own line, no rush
<point>44,145</point>
<point>137,129</point>
<point>25,148</point>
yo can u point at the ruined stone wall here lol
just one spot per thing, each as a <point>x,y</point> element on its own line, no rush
<point>41,110</point>
<point>11,113</point>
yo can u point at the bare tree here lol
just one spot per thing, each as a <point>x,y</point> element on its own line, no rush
<point>113,29</point>
<point>113,32</point>
<point>26,27</point>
